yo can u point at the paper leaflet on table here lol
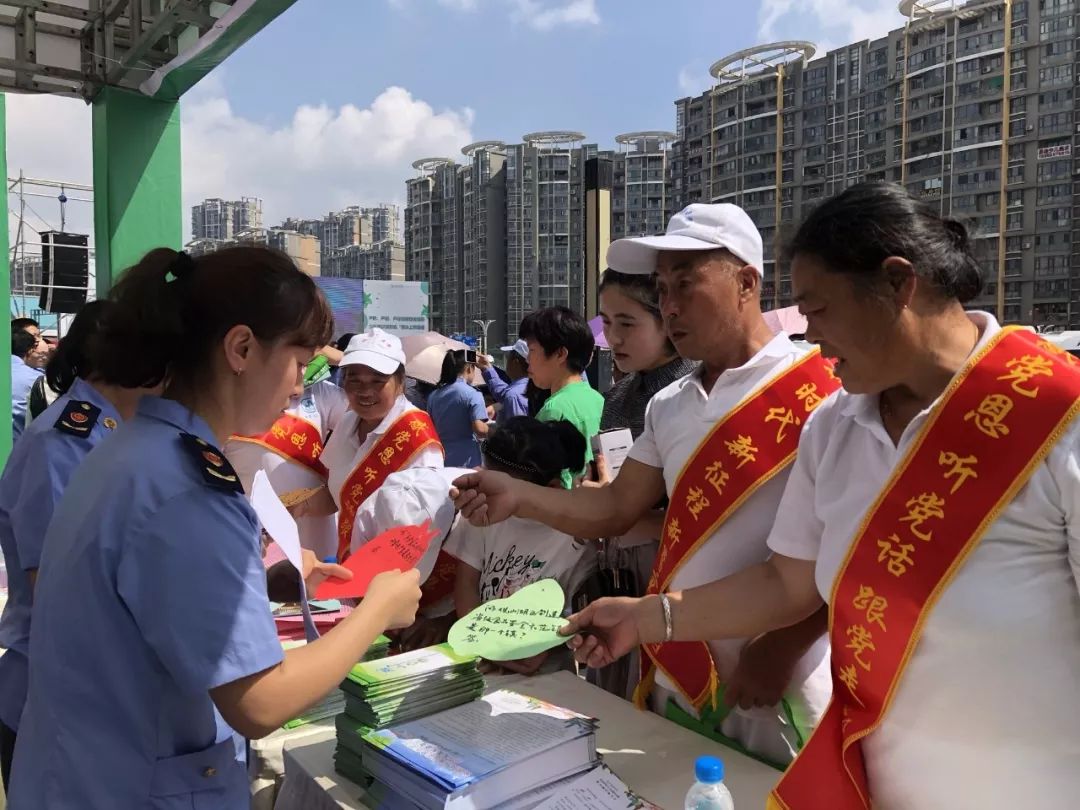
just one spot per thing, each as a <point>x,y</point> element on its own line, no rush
<point>521,626</point>
<point>398,548</point>
<point>599,789</point>
<point>279,524</point>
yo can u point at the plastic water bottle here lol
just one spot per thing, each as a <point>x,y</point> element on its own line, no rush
<point>708,792</point>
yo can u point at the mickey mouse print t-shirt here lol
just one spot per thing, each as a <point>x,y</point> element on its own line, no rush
<point>516,553</point>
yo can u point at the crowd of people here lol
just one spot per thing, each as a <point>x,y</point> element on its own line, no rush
<point>843,561</point>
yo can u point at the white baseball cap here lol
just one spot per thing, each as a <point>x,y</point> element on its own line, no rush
<point>696,227</point>
<point>375,349</point>
<point>520,348</point>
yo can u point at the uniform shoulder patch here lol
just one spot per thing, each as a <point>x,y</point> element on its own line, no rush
<point>78,418</point>
<point>215,469</point>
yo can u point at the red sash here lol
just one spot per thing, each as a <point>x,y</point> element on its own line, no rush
<point>399,445</point>
<point>995,425</point>
<point>294,438</point>
<point>746,449</point>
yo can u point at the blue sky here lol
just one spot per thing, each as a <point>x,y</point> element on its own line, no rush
<point>331,103</point>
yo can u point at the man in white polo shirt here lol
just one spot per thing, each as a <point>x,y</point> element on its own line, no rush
<point>719,444</point>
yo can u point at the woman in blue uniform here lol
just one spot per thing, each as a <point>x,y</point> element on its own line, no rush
<point>153,648</point>
<point>35,477</point>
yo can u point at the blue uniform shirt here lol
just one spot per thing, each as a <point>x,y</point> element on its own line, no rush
<point>453,409</point>
<point>23,378</point>
<point>153,593</point>
<point>510,395</point>
<point>35,477</point>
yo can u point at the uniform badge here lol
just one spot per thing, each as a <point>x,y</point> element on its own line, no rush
<point>78,418</point>
<point>215,470</point>
<point>109,423</point>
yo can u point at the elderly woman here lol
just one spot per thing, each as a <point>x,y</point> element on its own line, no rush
<point>935,506</point>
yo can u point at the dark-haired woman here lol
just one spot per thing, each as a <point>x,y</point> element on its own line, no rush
<point>634,329</point>
<point>71,349</point>
<point>459,412</point>
<point>151,645</point>
<point>935,506</point>
<point>36,475</point>
<point>497,561</point>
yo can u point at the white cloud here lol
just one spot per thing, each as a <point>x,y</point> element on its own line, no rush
<point>827,23</point>
<point>694,80</point>
<point>321,159</point>
<point>545,16</point>
<point>542,15</point>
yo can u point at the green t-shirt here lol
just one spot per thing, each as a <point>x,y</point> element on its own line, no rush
<point>581,405</point>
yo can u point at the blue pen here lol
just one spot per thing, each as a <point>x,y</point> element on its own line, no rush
<point>331,559</point>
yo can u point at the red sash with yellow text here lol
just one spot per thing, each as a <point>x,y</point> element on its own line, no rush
<point>294,438</point>
<point>396,448</point>
<point>995,424</point>
<point>746,449</point>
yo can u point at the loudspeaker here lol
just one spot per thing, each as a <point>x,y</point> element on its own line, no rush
<point>65,271</point>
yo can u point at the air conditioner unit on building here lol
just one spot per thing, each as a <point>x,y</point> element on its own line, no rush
<point>1027,245</point>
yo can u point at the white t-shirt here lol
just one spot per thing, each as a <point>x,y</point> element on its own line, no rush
<point>677,420</point>
<point>410,498</point>
<point>518,552</point>
<point>986,714</point>
<point>324,405</point>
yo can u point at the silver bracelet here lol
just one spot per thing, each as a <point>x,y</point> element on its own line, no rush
<point>668,628</point>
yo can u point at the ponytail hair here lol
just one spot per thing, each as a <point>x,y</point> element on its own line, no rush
<point>172,310</point>
<point>535,451</point>
<point>73,358</point>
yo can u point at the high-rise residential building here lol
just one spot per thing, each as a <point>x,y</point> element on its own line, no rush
<point>971,106</point>
<point>350,227</point>
<point>385,222</point>
<point>381,261</point>
<point>640,196</point>
<point>222,219</point>
<point>483,241</point>
<point>302,248</point>
<point>431,239</point>
<point>545,222</point>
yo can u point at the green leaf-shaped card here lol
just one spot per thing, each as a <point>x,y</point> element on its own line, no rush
<point>520,626</point>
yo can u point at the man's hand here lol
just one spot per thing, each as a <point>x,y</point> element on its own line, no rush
<point>485,497</point>
<point>316,572</point>
<point>482,360</point>
<point>764,671</point>
<point>606,630</point>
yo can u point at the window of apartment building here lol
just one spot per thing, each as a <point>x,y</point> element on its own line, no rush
<point>1055,122</point>
<point>1055,98</point>
<point>931,56</point>
<point>1014,221</point>
<point>1056,6</point>
<point>1051,76</point>
<point>816,75</point>
<point>1055,216</point>
<point>1051,265</point>
<point>1056,50</point>
<point>1053,241</point>
<point>1054,192</point>
<point>1057,25</point>
<point>813,95</point>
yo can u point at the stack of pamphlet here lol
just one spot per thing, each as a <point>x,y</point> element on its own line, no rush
<point>334,703</point>
<point>397,689</point>
<point>505,751</point>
